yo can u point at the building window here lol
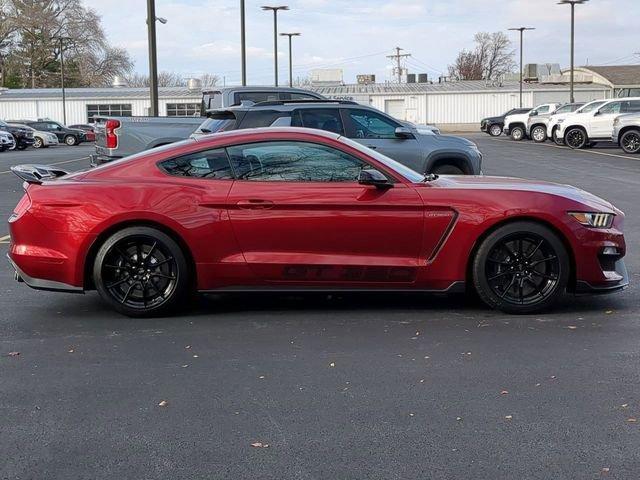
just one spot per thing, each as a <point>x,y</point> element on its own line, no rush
<point>183,109</point>
<point>109,110</point>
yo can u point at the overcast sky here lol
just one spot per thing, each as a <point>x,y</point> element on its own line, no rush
<point>203,35</point>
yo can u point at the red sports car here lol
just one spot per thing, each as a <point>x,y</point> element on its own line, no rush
<point>295,209</point>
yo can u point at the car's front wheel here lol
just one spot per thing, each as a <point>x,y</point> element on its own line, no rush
<point>521,267</point>
<point>539,134</point>
<point>70,140</point>
<point>630,141</point>
<point>448,170</point>
<point>576,138</point>
<point>37,143</point>
<point>495,130</point>
<point>141,272</point>
<point>517,133</point>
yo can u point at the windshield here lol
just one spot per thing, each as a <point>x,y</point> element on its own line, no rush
<point>400,169</point>
<point>590,106</point>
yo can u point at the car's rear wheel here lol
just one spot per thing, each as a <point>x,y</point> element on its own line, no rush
<point>630,141</point>
<point>37,143</point>
<point>522,267</point>
<point>556,139</point>
<point>495,130</point>
<point>70,140</point>
<point>141,272</point>
<point>448,170</point>
<point>539,134</point>
<point>576,138</point>
<point>517,133</point>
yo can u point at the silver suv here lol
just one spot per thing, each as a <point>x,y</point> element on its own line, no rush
<point>421,150</point>
<point>626,132</point>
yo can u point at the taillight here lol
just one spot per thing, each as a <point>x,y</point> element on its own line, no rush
<point>112,138</point>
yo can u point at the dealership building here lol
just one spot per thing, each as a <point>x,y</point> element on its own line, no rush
<point>450,105</point>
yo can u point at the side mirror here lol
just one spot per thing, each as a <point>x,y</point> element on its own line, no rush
<point>403,132</point>
<point>596,113</point>
<point>370,176</point>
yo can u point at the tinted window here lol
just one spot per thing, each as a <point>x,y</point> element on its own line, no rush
<point>218,124</point>
<point>260,118</point>
<point>301,96</point>
<point>368,124</point>
<point>319,118</point>
<point>613,107</point>
<point>207,164</point>
<point>632,106</point>
<point>567,109</point>
<point>544,109</point>
<point>255,97</point>
<point>293,162</point>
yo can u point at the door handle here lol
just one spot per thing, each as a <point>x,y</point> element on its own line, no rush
<point>372,147</point>
<point>255,204</point>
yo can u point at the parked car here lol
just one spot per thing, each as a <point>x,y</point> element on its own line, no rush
<point>87,129</point>
<point>515,125</point>
<point>419,150</point>
<point>23,137</point>
<point>298,209</point>
<point>556,120</point>
<point>40,139</point>
<point>626,132</point>
<point>70,136</point>
<point>579,131</point>
<point>494,125</point>
<point>118,137</point>
<point>6,141</point>
<point>537,124</point>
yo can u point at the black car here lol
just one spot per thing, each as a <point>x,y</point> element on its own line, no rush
<point>70,136</point>
<point>22,136</point>
<point>493,125</point>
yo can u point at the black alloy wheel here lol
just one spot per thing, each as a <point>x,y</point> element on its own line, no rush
<point>141,271</point>
<point>521,268</point>
<point>630,141</point>
<point>576,138</point>
<point>556,139</point>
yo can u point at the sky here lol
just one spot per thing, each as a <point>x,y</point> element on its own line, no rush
<point>203,36</point>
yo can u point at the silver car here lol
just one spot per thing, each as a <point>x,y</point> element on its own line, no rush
<point>537,124</point>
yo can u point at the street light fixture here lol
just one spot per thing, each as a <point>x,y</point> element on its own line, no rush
<point>290,35</point>
<point>64,96</point>
<point>153,55</point>
<point>573,4</point>
<point>275,10</point>
<point>521,30</point>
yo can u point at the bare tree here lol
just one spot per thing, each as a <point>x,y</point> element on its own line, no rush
<point>491,58</point>
<point>209,80</point>
<point>170,79</point>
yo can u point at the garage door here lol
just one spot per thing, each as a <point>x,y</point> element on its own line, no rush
<point>395,108</point>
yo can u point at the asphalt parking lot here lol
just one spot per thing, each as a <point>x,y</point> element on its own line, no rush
<point>332,387</point>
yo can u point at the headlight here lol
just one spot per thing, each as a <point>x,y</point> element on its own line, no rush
<point>594,220</point>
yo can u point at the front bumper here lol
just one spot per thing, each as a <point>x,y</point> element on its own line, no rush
<point>584,287</point>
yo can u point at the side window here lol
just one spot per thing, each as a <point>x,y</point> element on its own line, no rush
<point>367,124</point>
<point>255,97</point>
<point>260,118</point>
<point>302,96</point>
<point>289,161</point>
<point>632,106</point>
<point>543,110</point>
<point>613,107</point>
<point>207,164</point>
<point>320,118</point>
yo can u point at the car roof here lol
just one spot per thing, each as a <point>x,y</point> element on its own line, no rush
<point>288,106</point>
<point>271,131</point>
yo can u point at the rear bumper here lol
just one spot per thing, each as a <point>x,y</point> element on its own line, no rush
<point>42,284</point>
<point>95,159</point>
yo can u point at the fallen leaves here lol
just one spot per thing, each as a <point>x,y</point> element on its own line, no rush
<point>458,419</point>
<point>504,392</point>
<point>13,354</point>
<point>508,417</point>
<point>632,420</point>
<point>624,405</point>
<point>260,445</point>
<point>572,327</point>
<point>163,403</point>
<point>609,312</point>
<point>332,365</point>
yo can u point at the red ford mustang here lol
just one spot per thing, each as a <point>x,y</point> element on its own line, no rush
<point>295,209</point>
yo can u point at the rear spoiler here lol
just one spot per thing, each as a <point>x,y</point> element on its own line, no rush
<point>37,173</point>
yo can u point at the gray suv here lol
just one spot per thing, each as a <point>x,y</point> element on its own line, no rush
<point>422,151</point>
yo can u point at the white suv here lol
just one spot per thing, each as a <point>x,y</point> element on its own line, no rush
<point>556,120</point>
<point>581,130</point>
<point>516,125</point>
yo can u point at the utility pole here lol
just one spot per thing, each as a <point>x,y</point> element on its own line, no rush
<point>521,30</point>
<point>64,95</point>
<point>243,44</point>
<point>397,57</point>
<point>290,35</point>
<point>275,35</point>
<point>573,4</point>
<point>153,57</point>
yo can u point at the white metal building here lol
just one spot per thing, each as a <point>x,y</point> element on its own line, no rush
<point>450,105</point>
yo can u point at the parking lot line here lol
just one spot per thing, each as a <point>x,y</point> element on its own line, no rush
<point>5,239</point>
<point>567,148</point>
<point>55,163</point>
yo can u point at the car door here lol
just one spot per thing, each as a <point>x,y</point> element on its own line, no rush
<point>301,217</point>
<point>378,132</point>
<point>601,121</point>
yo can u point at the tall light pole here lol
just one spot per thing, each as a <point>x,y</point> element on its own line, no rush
<point>275,35</point>
<point>521,30</point>
<point>290,35</point>
<point>243,44</point>
<point>153,55</point>
<point>573,4</point>
<point>64,96</point>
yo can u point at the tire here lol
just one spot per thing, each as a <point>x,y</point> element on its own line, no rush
<point>556,139</point>
<point>37,143</point>
<point>447,170</point>
<point>539,134</point>
<point>522,267</point>
<point>576,138</point>
<point>630,141</point>
<point>22,147</point>
<point>70,140</point>
<point>152,287</point>
<point>517,134</point>
<point>495,130</point>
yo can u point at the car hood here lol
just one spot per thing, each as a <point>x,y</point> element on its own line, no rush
<point>451,141</point>
<point>518,184</point>
<point>492,119</point>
